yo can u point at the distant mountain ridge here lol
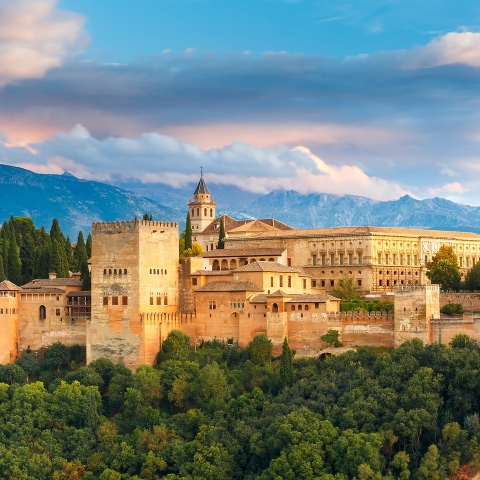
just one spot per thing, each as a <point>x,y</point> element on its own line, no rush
<point>77,203</point>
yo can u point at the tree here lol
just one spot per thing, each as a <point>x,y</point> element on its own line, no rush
<point>194,251</point>
<point>59,263</point>
<point>188,233</point>
<point>464,341</point>
<point>332,337</point>
<point>221,234</point>
<point>2,271</point>
<point>176,346</point>
<point>444,253</point>
<point>88,246</point>
<point>472,280</point>
<point>428,469</point>
<point>28,363</point>
<point>14,263</point>
<point>71,260</point>
<point>147,217</point>
<point>347,290</point>
<point>56,355</point>
<point>286,365</point>
<point>261,349</point>
<point>446,274</point>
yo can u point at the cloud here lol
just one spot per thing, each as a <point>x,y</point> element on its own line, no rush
<point>34,37</point>
<point>448,189</point>
<point>154,158</point>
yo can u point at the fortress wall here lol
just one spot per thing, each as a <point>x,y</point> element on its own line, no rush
<point>8,328</point>
<point>469,301</point>
<point>443,330</point>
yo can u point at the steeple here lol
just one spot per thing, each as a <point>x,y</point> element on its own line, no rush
<point>202,186</point>
<point>202,209</point>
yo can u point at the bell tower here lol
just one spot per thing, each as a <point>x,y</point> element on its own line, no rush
<point>203,207</point>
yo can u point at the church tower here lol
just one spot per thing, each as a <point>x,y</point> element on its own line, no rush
<point>202,209</point>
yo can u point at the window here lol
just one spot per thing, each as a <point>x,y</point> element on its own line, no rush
<point>299,307</point>
<point>1,311</point>
<point>379,259</point>
<point>105,301</point>
<point>304,283</point>
<point>314,283</point>
<point>211,212</point>
<point>165,271</point>
<point>388,283</point>
<point>104,271</point>
<point>150,271</point>
<point>360,258</point>
<point>165,300</point>
<point>359,282</point>
<point>314,260</point>
<point>290,280</point>
<point>401,259</point>
<point>115,271</point>
<point>151,300</point>
<point>394,258</point>
<point>42,312</point>
<point>289,262</point>
<point>109,271</point>
<point>379,283</point>
<point>198,212</point>
<point>342,258</point>
<point>293,308</point>
<point>409,259</point>
<point>194,281</point>
<point>426,259</point>
<point>159,300</point>
<point>317,304</point>
<point>323,283</point>
<point>415,260</point>
<point>271,281</point>
<point>212,305</point>
<point>114,300</point>
<point>124,271</point>
<point>324,260</point>
<point>332,283</point>
<point>460,260</point>
<point>57,312</point>
<point>386,258</point>
<point>332,259</point>
<point>193,212</point>
<point>306,307</point>
<point>124,300</point>
<point>280,281</point>
<point>350,258</point>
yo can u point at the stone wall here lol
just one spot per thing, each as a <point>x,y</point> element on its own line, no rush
<point>469,301</point>
<point>8,327</point>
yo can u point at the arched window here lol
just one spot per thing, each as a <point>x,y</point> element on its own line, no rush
<point>262,260</point>
<point>274,307</point>
<point>193,212</point>
<point>198,212</point>
<point>211,212</point>
<point>165,271</point>
<point>306,307</point>
<point>115,271</point>
<point>299,307</point>
<point>109,271</point>
<point>271,260</point>
<point>293,308</point>
<point>125,271</point>
<point>42,312</point>
<point>233,264</point>
<point>104,271</point>
<point>224,264</point>
<point>205,211</point>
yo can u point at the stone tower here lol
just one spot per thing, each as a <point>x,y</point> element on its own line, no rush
<point>202,209</point>
<point>415,306</point>
<point>8,321</point>
<point>134,290</point>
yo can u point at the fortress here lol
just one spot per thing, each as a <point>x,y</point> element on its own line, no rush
<point>269,278</point>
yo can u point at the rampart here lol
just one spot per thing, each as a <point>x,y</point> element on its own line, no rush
<point>129,226</point>
<point>469,301</point>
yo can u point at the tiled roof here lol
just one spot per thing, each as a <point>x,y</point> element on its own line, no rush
<point>253,226</point>
<point>363,231</point>
<point>79,294</point>
<point>311,298</point>
<point>201,187</point>
<point>259,299</point>
<point>42,290</point>
<point>54,282</point>
<point>244,252</point>
<point>270,267</point>
<point>212,272</point>
<point>278,293</point>
<point>230,286</point>
<point>231,224</point>
<point>7,285</point>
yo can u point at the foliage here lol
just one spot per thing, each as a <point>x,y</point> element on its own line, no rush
<point>260,349</point>
<point>332,337</point>
<point>221,234</point>
<point>387,306</point>
<point>176,346</point>
<point>472,279</point>
<point>188,233</point>
<point>286,365</point>
<point>444,253</point>
<point>446,274</point>
<point>147,217</point>
<point>193,252</point>
<point>452,308</point>
<point>347,290</point>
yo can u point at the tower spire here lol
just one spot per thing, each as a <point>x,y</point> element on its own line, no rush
<point>201,171</point>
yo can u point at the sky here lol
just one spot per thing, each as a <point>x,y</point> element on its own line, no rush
<point>377,98</point>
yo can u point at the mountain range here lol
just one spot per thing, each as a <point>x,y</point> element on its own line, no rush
<point>77,203</point>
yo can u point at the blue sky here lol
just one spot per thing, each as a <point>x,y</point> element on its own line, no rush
<point>377,98</point>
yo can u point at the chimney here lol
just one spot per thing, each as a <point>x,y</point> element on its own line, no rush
<point>52,276</point>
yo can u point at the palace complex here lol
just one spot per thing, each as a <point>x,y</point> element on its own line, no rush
<point>269,278</point>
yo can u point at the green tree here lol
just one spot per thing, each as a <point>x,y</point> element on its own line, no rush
<point>347,290</point>
<point>472,279</point>
<point>463,341</point>
<point>286,365</point>
<point>55,232</point>
<point>59,262</point>
<point>428,469</point>
<point>221,234</point>
<point>71,260</point>
<point>56,355</point>
<point>444,253</point>
<point>5,234</point>
<point>260,349</point>
<point>193,252</point>
<point>176,346</point>
<point>332,337</point>
<point>28,363</point>
<point>88,245</point>
<point>446,274</point>
<point>147,217</point>
<point>188,233</point>
<point>14,263</point>
<point>2,271</point>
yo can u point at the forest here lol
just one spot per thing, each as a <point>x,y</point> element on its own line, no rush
<point>217,411</point>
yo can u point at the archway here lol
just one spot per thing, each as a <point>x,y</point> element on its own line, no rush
<point>274,307</point>
<point>233,264</point>
<point>224,264</point>
<point>42,312</point>
<point>216,265</point>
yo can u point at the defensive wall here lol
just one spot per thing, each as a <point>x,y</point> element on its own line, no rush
<point>469,301</point>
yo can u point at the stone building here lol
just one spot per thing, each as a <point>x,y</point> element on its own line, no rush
<point>135,292</point>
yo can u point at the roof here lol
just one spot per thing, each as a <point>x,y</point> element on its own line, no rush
<point>253,226</point>
<point>231,224</point>
<point>42,290</point>
<point>79,294</point>
<point>230,286</point>
<point>7,285</point>
<point>261,266</point>
<point>363,231</point>
<point>54,282</point>
<point>278,293</point>
<point>311,298</point>
<point>244,252</point>
<point>201,187</point>
<point>212,272</point>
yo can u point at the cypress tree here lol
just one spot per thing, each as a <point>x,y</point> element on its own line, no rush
<point>85,277</point>
<point>55,232</point>
<point>221,235</point>
<point>14,263</point>
<point>88,246</point>
<point>27,256</point>
<point>5,238</point>
<point>72,263</point>
<point>82,261</point>
<point>59,262</point>
<point>188,232</point>
<point>286,365</point>
<point>2,271</point>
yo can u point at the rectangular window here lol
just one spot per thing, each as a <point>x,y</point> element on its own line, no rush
<point>105,300</point>
<point>124,300</point>
<point>323,283</point>
<point>314,260</point>
<point>415,259</point>
<point>350,258</point>
<point>289,262</point>
<point>304,283</point>
<point>394,259</point>
<point>324,260</point>
<point>386,259</point>
<point>280,281</point>
<point>380,283</point>
<point>289,281</point>
<point>194,281</point>
<point>151,300</point>
<point>342,258</point>
<point>314,283</point>
<point>401,259</point>
<point>409,259</point>
<point>460,259</point>
<point>159,300</point>
<point>165,300</point>
<point>388,283</point>
<point>467,263</point>
<point>332,283</point>
<point>271,281</point>
<point>359,282</point>
<point>379,259</point>
<point>1,311</point>
<point>57,312</point>
<point>317,304</point>
<point>360,258</point>
<point>114,300</point>
<point>212,305</point>
<point>332,259</point>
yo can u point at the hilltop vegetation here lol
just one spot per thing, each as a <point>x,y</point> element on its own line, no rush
<point>222,412</point>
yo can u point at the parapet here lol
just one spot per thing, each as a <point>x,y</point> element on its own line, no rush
<point>130,226</point>
<point>401,289</point>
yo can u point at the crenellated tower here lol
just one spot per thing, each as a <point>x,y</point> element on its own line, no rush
<point>203,207</point>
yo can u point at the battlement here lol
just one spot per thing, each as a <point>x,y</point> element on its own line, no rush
<point>401,289</point>
<point>130,226</point>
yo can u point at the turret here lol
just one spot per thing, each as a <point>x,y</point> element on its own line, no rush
<point>203,207</point>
